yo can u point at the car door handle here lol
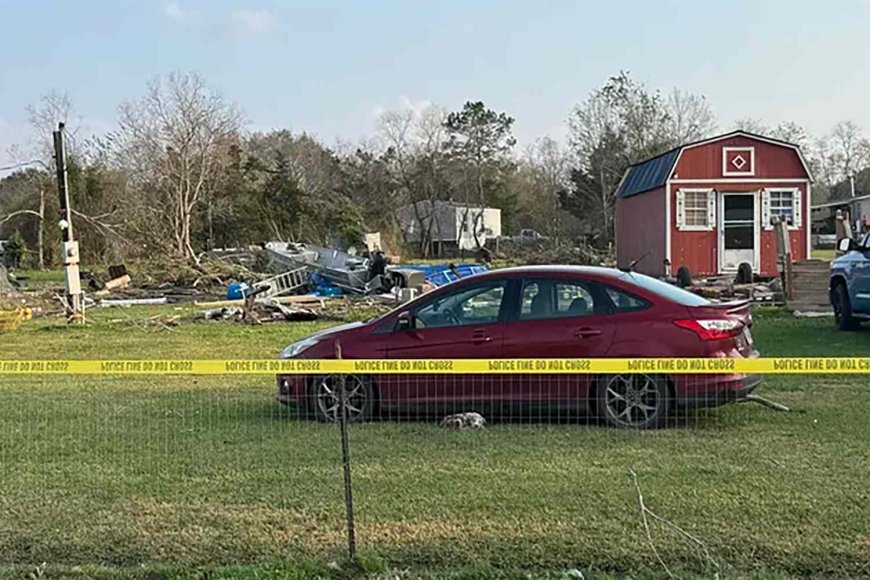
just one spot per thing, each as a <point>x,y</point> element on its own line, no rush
<point>479,336</point>
<point>586,332</point>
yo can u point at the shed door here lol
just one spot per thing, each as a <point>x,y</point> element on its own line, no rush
<point>738,231</point>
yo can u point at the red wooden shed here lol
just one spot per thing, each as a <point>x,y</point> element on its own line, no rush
<point>708,206</point>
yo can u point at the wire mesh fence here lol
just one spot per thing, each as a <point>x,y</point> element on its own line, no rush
<point>622,472</point>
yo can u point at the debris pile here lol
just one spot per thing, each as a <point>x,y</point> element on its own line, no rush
<point>13,299</point>
<point>550,252</point>
<point>726,288</point>
<point>274,282</point>
<point>334,272</point>
<point>5,283</point>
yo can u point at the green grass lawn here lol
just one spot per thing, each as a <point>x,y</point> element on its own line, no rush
<point>828,254</point>
<point>40,279</point>
<point>208,477</point>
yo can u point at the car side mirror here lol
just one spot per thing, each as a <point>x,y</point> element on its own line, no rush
<point>846,245</point>
<point>404,323</point>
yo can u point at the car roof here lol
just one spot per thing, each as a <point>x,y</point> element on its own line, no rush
<point>520,271</point>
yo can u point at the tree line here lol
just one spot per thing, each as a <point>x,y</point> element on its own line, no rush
<point>180,174</point>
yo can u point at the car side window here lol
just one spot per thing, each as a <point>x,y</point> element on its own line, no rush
<point>479,304</point>
<point>623,301</point>
<point>544,299</point>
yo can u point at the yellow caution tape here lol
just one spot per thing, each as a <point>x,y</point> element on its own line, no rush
<point>794,365</point>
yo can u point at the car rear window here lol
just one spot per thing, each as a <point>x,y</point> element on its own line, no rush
<point>665,290</point>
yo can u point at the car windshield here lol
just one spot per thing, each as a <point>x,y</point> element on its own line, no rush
<point>665,290</point>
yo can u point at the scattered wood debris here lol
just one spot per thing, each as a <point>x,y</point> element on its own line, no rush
<point>133,302</point>
<point>725,288</point>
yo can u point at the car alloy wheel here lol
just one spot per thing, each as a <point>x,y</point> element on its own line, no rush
<point>359,399</point>
<point>634,401</point>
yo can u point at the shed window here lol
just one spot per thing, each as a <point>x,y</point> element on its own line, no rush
<point>696,209</point>
<point>782,203</point>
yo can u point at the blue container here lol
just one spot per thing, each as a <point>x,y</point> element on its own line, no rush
<point>440,274</point>
<point>237,290</point>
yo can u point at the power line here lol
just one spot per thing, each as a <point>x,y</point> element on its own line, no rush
<point>18,165</point>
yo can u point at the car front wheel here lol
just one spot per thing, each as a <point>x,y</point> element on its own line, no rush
<point>633,401</point>
<point>359,398</point>
<point>843,308</point>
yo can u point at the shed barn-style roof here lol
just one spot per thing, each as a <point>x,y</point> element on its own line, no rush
<point>654,172</point>
<point>649,174</point>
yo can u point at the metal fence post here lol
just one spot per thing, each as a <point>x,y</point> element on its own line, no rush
<point>345,459</point>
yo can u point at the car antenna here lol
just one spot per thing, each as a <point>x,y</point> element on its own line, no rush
<point>630,268</point>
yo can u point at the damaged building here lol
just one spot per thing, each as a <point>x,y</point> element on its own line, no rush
<point>449,226</point>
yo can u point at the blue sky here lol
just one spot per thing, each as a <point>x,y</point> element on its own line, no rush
<point>327,67</point>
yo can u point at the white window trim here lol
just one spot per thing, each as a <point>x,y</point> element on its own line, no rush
<point>731,173</point>
<point>797,207</point>
<point>711,210</point>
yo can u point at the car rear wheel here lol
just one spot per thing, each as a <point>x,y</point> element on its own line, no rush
<point>633,401</point>
<point>843,308</point>
<point>359,398</point>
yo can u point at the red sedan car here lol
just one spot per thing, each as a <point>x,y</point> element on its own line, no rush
<point>536,312</point>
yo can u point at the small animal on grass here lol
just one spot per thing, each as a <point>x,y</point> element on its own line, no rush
<point>463,421</point>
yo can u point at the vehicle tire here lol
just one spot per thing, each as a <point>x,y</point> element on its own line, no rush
<point>324,398</point>
<point>843,308</point>
<point>744,273</point>
<point>633,401</point>
<point>684,277</point>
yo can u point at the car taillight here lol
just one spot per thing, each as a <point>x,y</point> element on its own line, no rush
<point>712,329</point>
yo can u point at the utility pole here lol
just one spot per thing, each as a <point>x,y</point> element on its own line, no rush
<point>69,247</point>
<point>852,182</point>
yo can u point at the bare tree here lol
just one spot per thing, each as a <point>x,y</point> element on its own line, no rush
<point>823,164</point>
<point>619,124</point>
<point>601,156</point>
<point>689,116</point>
<point>53,108</point>
<point>175,142</point>
<point>791,132</point>
<point>481,140</point>
<point>751,125</point>
<point>414,142</point>
<point>550,165</point>
<point>851,148</point>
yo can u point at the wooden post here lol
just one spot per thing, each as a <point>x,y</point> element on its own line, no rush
<point>783,254</point>
<point>345,459</point>
<point>843,227</point>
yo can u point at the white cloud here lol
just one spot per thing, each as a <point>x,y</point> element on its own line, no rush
<point>174,12</point>
<point>416,107</point>
<point>255,20</point>
<point>403,103</point>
